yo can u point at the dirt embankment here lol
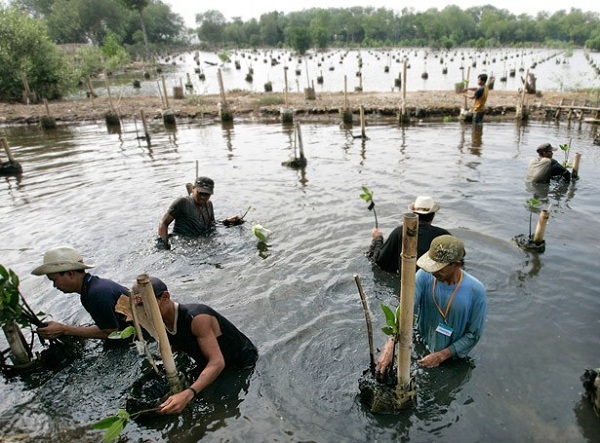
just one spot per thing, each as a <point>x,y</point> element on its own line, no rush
<point>256,106</point>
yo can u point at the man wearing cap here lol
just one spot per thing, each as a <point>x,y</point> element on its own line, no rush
<point>193,215</point>
<point>544,167</point>
<point>450,303</point>
<point>64,266</point>
<point>387,254</point>
<point>207,337</point>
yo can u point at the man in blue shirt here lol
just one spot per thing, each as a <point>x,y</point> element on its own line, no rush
<point>64,266</point>
<point>451,304</point>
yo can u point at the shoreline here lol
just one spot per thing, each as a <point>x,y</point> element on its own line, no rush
<point>250,106</point>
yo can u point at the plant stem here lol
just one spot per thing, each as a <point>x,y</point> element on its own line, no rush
<point>375,214</point>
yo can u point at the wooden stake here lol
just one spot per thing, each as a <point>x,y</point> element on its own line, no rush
<point>538,236</point>
<point>19,352</point>
<point>153,312</point>
<point>112,108</point>
<point>144,124</point>
<point>362,122</point>
<point>299,135</point>
<point>7,150</point>
<point>576,161</point>
<point>139,334</point>
<point>345,92</point>
<point>410,231</point>
<point>164,85</point>
<point>285,84</point>
<point>466,84</point>
<point>365,305</point>
<point>47,107</point>
<point>524,88</point>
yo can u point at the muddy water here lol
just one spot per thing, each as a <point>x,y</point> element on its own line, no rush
<point>295,297</point>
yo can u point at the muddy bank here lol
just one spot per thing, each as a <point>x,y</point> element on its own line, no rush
<point>257,106</point>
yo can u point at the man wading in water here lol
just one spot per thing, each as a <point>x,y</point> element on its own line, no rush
<point>193,215</point>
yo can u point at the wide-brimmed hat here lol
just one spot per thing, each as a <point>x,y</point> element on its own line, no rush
<point>205,184</point>
<point>424,204</point>
<point>545,147</point>
<point>61,259</point>
<point>444,250</point>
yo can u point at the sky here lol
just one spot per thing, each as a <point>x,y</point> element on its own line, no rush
<point>255,8</point>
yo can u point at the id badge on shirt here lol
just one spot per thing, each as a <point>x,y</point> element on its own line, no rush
<point>444,329</point>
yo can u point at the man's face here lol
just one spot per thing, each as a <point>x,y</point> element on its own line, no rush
<point>201,197</point>
<point>64,281</point>
<point>547,154</point>
<point>446,273</point>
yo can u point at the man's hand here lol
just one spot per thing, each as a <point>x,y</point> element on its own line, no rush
<point>176,403</point>
<point>384,362</point>
<point>376,232</point>
<point>53,329</point>
<point>435,359</point>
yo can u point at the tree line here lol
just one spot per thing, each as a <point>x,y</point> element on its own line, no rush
<point>112,33</point>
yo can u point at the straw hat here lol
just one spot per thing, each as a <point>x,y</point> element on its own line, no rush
<point>61,259</point>
<point>444,250</point>
<point>423,205</point>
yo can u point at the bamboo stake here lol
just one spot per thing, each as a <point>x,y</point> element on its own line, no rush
<point>196,169</point>
<point>345,92</point>
<point>151,306</point>
<point>362,122</point>
<point>538,236</point>
<point>299,136</point>
<point>410,231</point>
<point>466,84</point>
<point>145,124</point>
<point>7,150</point>
<point>285,91</point>
<point>20,354</point>
<point>164,85</point>
<point>404,67</point>
<point>365,305</point>
<point>524,88</point>
<point>112,107</point>
<point>576,161</point>
<point>139,334</point>
<point>224,105</point>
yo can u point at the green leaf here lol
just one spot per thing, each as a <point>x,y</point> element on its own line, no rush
<point>366,194</point>
<point>390,317</point>
<point>564,147</point>
<point>114,431</point>
<point>532,203</point>
<point>105,423</point>
<point>261,232</point>
<point>123,414</point>
<point>388,331</point>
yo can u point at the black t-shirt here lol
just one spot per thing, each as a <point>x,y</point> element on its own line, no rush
<point>237,349</point>
<point>99,297</point>
<point>387,254</point>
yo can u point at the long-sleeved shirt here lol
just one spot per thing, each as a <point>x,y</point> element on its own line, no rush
<point>542,169</point>
<point>466,315</point>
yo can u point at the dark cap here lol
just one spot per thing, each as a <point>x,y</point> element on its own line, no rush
<point>158,286</point>
<point>205,184</point>
<point>545,147</point>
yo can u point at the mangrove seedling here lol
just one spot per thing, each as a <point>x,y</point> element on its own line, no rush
<point>392,320</point>
<point>367,196</point>
<point>115,424</point>
<point>236,219</point>
<point>122,335</point>
<point>566,148</point>
<point>261,232</point>
<point>13,306</point>
<point>531,204</point>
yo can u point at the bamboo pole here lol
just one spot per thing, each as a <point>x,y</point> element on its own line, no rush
<point>19,353</point>
<point>538,236</point>
<point>345,92</point>
<point>9,154</point>
<point>576,160</point>
<point>466,84</point>
<point>285,84</point>
<point>144,124</point>
<point>362,122</point>
<point>112,107</point>
<point>410,231</point>
<point>153,311</point>
<point>524,88</point>
<point>164,86</point>
<point>139,334</point>
<point>365,305</point>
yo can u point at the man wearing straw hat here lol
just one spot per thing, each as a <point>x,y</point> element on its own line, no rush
<point>450,303</point>
<point>543,168</point>
<point>206,336</point>
<point>387,254</point>
<point>193,214</point>
<point>64,266</point>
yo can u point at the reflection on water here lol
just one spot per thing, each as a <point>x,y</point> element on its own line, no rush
<point>295,297</point>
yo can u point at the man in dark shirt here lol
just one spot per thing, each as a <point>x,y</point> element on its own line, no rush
<point>544,167</point>
<point>207,337</point>
<point>65,268</point>
<point>387,254</point>
<point>193,215</point>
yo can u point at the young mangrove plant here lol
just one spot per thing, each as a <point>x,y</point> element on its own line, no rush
<point>392,320</point>
<point>261,233</point>
<point>532,204</point>
<point>115,424</point>
<point>367,196</point>
<point>566,148</point>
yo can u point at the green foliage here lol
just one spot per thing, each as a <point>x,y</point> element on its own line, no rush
<point>88,61</point>
<point>114,425</point>
<point>261,232</point>
<point>566,149</point>
<point>532,203</point>
<point>124,334</point>
<point>392,320</point>
<point>10,308</point>
<point>366,195</point>
<point>26,49</point>
<point>447,118</point>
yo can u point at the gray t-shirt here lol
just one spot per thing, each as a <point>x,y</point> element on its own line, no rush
<point>191,219</point>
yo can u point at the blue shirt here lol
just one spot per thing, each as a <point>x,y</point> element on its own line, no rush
<point>99,297</point>
<point>466,315</point>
